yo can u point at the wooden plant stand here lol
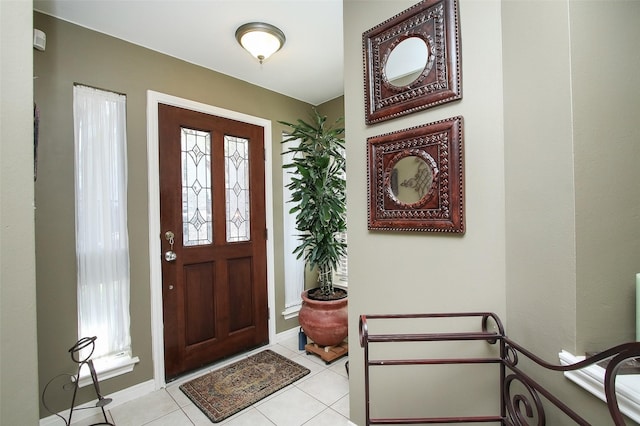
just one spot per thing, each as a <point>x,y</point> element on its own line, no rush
<point>328,353</point>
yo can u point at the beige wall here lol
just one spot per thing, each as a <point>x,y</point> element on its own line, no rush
<point>572,185</point>
<point>333,110</point>
<point>573,199</point>
<point>606,107</point>
<point>75,54</point>
<point>552,193</point>
<point>540,215</point>
<point>396,272</point>
<point>18,362</point>
<point>544,231</point>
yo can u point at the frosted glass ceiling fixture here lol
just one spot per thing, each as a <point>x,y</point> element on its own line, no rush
<point>260,39</point>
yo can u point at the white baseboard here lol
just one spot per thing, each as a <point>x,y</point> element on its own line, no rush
<point>287,334</point>
<point>120,397</point>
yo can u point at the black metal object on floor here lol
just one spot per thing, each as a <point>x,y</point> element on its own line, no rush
<point>102,401</point>
<point>74,382</point>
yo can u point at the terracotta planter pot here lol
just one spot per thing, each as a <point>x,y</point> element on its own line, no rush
<point>324,322</point>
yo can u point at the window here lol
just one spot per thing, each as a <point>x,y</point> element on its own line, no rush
<point>102,242</point>
<point>341,275</point>
<point>293,267</point>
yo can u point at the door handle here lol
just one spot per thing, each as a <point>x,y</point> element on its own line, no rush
<point>170,255</point>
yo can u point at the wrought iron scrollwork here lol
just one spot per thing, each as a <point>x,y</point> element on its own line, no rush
<point>523,408</point>
<point>510,356</point>
<point>523,398</point>
<point>624,353</point>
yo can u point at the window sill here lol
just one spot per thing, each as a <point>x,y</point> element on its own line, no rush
<point>342,284</point>
<point>107,368</point>
<point>592,379</point>
<point>291,312</point>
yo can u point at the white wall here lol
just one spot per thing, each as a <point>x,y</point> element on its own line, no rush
<point>398,272</point>
<point>18,363</point>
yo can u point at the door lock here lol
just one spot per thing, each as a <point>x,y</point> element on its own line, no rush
<point>170,255</point>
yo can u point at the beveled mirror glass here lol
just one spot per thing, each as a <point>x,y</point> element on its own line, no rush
<point>416,179</point>
<point>406,62</point>
<point>412,61</point>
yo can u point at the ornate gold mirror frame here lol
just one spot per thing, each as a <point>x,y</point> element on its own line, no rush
<point>416,179</point>
<point>412,61</point>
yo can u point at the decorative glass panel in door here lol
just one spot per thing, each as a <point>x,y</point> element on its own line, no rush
<point>236,160</point>
<point>197,226</point>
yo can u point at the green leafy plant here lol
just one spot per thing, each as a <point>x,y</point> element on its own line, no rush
<point>318,189</point>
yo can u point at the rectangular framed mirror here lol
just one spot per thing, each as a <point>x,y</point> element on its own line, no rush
<point>412,61</point>
<point>416,179</point>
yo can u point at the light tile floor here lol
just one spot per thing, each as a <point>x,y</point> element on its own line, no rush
<point>321,398</point>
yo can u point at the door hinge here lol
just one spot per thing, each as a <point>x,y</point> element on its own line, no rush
<point>266,233</point>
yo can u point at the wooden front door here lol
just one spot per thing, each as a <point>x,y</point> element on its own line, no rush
<point>213,232</point>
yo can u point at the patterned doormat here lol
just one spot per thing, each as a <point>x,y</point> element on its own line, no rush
<point>226,391</point>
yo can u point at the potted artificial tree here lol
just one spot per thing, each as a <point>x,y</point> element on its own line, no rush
<point>318,189</point>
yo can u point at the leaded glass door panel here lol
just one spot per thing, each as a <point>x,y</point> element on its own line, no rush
<point>212,215</point>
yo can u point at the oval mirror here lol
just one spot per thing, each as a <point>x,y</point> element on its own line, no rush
<point>406,61</point>
<point>411,179</point>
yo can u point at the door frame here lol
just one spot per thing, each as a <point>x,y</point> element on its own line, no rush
<point>155,249</point>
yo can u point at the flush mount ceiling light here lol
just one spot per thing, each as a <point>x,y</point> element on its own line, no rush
<point>260,39</point>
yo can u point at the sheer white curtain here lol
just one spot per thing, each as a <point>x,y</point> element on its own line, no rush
<point>102,242</point>
<point>293,268</point>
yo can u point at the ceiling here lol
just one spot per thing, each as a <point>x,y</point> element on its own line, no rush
<point>309,67</point>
